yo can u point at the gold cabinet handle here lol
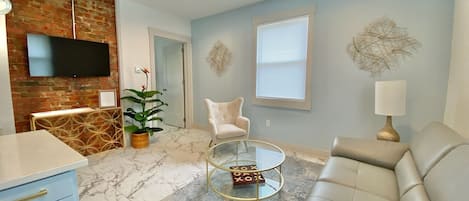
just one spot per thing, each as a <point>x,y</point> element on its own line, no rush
<point>41,193</point>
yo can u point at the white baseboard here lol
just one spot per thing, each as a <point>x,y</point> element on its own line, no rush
<point>320,153</point>
<point>196,126</point>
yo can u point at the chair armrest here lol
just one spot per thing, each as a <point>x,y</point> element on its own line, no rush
<point>243,123</point>
<point>212,126</point>
<point>380,153</point>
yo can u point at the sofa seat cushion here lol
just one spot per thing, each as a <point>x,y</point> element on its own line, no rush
<point>361,176</point>
<point>229,131</point>
<point>337,192</point>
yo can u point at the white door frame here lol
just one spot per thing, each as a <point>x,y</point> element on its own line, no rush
<point>188,93</point>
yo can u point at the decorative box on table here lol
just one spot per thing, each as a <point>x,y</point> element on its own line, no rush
<point>244,178</point>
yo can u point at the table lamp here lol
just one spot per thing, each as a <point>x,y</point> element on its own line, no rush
<point>390,100</point>
<point>5,7</point>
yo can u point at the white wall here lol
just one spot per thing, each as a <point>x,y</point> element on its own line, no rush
<point>7,123</point>
<point>457,102</point>
<point>133,20</point>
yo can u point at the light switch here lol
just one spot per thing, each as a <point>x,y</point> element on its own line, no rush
<point>138,69</point>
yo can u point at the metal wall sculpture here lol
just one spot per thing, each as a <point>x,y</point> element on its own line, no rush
<point>381,46</point>
<point>87,133</point>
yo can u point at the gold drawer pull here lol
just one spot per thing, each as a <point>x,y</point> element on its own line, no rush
<point>41,193</point>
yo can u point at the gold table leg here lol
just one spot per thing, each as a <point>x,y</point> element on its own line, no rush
<point>257,188</point>
<point>206,171</point>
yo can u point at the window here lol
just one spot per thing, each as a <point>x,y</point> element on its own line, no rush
<point>283,60</point>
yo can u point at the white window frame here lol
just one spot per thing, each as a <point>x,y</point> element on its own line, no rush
<point>285,102</point>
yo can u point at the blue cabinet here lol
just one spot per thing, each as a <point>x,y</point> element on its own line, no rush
<point>58,187</point>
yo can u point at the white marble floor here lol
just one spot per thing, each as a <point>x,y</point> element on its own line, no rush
<point>174,159</point>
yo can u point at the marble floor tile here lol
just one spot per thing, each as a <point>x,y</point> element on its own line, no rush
<point>174,159</point>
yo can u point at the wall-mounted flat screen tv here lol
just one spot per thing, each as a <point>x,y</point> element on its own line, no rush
<point>62,57</point>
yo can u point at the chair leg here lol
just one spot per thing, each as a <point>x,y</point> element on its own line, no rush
<point>210,144</point>
<point>213,153</point>
<point>246,146</point>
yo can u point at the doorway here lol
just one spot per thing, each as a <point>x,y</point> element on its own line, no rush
<point>170,60</point>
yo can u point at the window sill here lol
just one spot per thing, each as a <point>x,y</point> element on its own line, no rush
<point>283,103</point>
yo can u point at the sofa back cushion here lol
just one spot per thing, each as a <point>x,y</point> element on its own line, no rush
<point>374,152</point>
<point>432,144</point>
<point>448,180</point>
<point>406,174</point>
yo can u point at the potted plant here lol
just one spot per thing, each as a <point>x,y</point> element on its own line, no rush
<point>147,106</point>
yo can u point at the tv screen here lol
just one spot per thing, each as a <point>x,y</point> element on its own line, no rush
<point>54,56</point>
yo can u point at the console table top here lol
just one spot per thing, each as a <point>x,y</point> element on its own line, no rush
<point>62,112</point>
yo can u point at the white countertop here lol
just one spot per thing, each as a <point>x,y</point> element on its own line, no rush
<point>30,156</point>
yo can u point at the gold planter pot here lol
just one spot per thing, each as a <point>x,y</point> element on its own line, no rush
<point>140,140</point>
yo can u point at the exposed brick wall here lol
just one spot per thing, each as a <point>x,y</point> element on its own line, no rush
<point>95,21</point>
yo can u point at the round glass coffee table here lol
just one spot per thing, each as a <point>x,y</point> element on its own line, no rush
<point>245,169</point>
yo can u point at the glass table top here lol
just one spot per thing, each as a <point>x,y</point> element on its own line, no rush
<point>264,155</point>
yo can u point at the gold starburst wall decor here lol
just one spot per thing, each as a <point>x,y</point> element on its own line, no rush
<point>381,46</point>
<point>219,57</point>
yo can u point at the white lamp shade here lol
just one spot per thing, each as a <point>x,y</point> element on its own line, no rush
<point>390,97</point>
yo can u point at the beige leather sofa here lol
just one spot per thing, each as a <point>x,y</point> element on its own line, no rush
<point>434,167</point>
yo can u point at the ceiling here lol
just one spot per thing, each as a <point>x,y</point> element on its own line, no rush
<point>193,9</point>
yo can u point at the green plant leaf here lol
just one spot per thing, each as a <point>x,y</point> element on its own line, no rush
<point>140,117</point>
<point>153,111</point>
<point>160,105</point>
<point>137,92</point>
<point>152,130</point>
<point>133,99</point>
<point>130,114</point>
<point>131,110</point>
<point>149,94</point>
<point>156,129</point>
<point>155,119</point>
<point>154,100</point>
<point>131,128</point>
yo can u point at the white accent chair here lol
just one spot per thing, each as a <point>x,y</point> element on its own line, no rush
<point>226,121</point>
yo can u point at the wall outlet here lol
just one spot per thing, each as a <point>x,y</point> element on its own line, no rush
<point>267,123</point>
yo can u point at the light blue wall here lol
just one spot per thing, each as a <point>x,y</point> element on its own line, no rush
<point>342,95</point>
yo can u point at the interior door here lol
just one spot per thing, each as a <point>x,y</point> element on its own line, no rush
<point>170,79</point>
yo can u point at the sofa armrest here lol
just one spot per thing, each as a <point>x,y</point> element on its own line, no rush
<point>243,123</point>
<point>380,153</point>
